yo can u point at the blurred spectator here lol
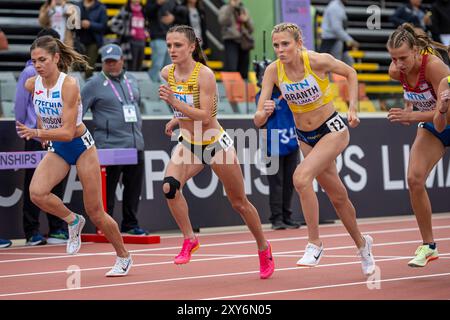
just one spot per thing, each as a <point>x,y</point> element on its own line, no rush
<point>24,112</point>
<point>413,13</point>
<point>335,39</point>
<point>54,14</point>
<point>93,26</point>
<point>129,24</point>
<point>281,187</point>
<point>113,97</point>
<point>3,41</point>
<point>440,21</point>
<point>160,14</point>
<point>236,28</point>
<point>192,13</point>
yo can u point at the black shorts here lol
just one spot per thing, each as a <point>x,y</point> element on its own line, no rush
<point>205,152</point>
<point>335,123</point>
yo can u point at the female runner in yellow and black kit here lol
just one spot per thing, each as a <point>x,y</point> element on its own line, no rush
<point>191,91</point>
<point>302,77</point>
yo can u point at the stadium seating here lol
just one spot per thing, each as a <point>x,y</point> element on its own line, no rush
<point>7,98</point>
<point>19,21</point>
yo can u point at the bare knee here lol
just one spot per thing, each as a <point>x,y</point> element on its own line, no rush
<point>239,204</point>
<point>95,213</point>
<point>416,182</point>
<point>338,199</point>
<point>37,196</point>
<point>100,219</point>
<point>301,183</point>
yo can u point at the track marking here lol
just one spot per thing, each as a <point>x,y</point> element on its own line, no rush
<point>335,235</point>
<point>226,257</point>
<point>361,221</point>
<point>214,276</point>
<point>326,287</point>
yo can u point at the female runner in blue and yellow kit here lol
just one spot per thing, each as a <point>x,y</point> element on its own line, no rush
<point>57,102</point>
<point>420,73</point>
<point>302,77</point>
<point>191,91</point>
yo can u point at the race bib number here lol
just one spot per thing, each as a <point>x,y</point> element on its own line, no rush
<point>225,141</point>
<point>336,124</point>
<point>87,139</point>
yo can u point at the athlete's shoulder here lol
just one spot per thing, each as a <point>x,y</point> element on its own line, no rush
<point>272,67</point>
<point>320,61</point>
<point>317,57</point>
<point>207,72</point>
<point>70,82</point>
<point>29,83</point>
<point>165,71</point>
<point>435,62</point>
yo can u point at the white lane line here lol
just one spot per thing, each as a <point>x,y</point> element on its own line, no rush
<point>186,278</point>
<point>361,221</point>
<point>327,286</point>
<point>222,257</point>
<point>335,235</point>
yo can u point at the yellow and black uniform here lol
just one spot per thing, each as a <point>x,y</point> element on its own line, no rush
<point>307,95</point>
<point>189,93</point>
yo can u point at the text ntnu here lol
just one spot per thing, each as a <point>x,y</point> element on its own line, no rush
<point>297,86</point>
<point>50,108</point>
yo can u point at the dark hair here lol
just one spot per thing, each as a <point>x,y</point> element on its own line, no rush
<point>198,5</point>
<point>189,32</point>
<point>406,33</point>
<point>68,56</point>
<point>48,32</point>
<point>128,5</point>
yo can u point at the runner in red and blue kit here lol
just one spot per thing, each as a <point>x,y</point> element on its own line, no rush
<point>417,66</point>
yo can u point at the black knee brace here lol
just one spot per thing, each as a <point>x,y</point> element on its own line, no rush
<point>174,186</point>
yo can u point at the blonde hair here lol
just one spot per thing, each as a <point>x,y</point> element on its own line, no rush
<point>68,56</point>
<point>291,28</point>
<point>407,34</point>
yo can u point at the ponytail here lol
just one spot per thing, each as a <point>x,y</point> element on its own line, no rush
<point>407,33</point>
<point>198,54</point>
<point>68,56</point>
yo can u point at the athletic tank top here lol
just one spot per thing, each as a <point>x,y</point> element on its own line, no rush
<point>188,91</point>
<point>422,96</point>
<point>50,107</point>
<point>306,95</point>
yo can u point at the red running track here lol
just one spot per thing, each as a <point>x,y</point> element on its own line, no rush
<point>226,267</point>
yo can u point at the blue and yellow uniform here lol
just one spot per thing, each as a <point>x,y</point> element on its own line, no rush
<point>309,94</point>
<point>49,108</point>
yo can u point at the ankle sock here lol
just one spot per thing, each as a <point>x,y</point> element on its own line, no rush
<point>71,219</point>
<point>432,245</point>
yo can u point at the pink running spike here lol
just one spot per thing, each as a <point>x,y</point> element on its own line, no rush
<point>189,247</point>
<point>266,263</point>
